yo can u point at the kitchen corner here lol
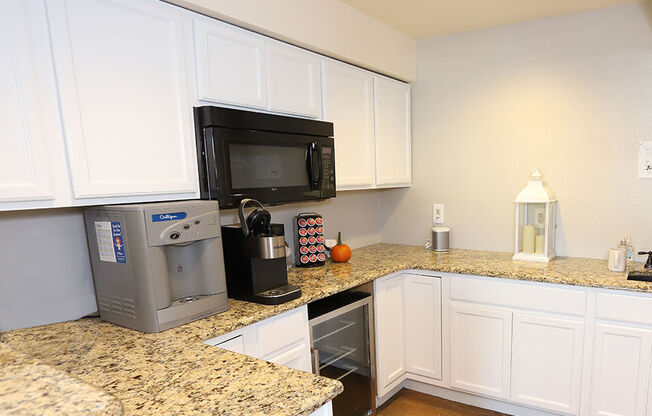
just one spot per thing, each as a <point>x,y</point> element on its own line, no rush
<point>173,372</point>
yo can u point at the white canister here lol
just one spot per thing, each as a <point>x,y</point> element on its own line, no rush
<point>616,260</point>
<point>440,238</point>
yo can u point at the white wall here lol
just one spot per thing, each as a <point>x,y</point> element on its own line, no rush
<point>570,94</point>
<point>46,276</point>
<point>330,27</point>
<point>355,214</point>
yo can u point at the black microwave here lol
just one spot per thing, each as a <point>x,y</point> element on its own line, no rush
<point>274,159</point>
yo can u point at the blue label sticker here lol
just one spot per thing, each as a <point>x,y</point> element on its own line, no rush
<point>118,242</point>
<point>170,216</point>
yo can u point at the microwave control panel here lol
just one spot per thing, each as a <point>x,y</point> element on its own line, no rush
<point>328,166</point>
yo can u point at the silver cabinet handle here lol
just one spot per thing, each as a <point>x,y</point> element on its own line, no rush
<point>315,360</point>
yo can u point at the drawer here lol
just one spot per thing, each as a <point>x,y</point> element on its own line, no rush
<point>236,344</point>
<point>512,293</point>
<point>298,358</point>
<point>283,331</point>
<point>624,307</point>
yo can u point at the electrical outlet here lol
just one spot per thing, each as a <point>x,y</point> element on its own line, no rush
<point>437,214</point>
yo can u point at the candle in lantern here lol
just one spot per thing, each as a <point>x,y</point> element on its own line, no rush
<point>529,234</point>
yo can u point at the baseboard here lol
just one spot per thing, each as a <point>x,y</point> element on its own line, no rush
<point>392,392</point>
<point>470,399</point>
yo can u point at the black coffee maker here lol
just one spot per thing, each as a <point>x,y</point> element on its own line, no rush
<point>254,258</point>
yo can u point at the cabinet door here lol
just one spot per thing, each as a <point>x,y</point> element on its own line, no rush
<point>294,81</point>
<point>390,333</point>
<point>325,410</point>
<point>121,68</point>
<point>393,137</point>
<point>230,64</point>
<point>423,325</point>
<point>297,357</point>
<point>28,106</point>
<point>348,103</point>
<point>620,370</point>
<point>547,362</point>
<point>480,349</point>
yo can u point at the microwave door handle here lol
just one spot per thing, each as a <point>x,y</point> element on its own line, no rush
<point>314,166</point>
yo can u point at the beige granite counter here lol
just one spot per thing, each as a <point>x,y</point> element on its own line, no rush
<point>174,373</point>
<point>28,387</point>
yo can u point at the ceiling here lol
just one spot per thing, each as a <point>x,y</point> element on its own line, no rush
<point>425,18</point>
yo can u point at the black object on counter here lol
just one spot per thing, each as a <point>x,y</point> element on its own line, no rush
<point>648,264</point>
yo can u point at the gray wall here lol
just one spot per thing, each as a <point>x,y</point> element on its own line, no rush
<point>570,94</point>
<point>46,277</point>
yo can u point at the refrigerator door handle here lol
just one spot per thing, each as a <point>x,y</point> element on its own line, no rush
<point>315,360</point>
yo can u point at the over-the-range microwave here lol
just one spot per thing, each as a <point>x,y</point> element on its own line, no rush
<point>274,159</point>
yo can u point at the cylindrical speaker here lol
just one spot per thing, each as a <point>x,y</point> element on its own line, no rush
<point>440,238</point>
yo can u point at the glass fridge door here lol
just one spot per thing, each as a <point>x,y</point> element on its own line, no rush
<point>341,348</point>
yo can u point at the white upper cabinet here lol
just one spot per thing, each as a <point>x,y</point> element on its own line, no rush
<point>393,137</point>
<point>241,68</point>
<point>230,64</point>
<point>294,81</point>
<point>123,87</point>
<point>29,128</point>
<point>348,103</point>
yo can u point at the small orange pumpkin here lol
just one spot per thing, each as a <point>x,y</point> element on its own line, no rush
<point>341,252</point>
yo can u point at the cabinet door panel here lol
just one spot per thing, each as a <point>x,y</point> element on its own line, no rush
<point>279,332</point>
<point>480,349</point>
<point>423,325</point>
<point>547,362</point>
<point>620,371</point>
<point>325,410</point>
<point>390,337</point>
<point>297,357</point>
<point>230,64</point>
<point>294,80</point>
<point>393,136</point>
<point>28,108</point>
<point>348,103</point>
<point>121,68</point>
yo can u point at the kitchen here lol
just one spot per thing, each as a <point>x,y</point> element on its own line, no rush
<point>453,108</point>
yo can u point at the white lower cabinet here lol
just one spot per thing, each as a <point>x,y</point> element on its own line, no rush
<point>408,329</point>
<point>547,362</point>
<point>480,349</point>
<point>422,325</point>
<point>390,333</point>
<point>282,339</point>
<point>620,370</point>
<point>325,410</point>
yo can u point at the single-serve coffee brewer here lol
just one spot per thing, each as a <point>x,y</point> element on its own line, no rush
<point>254,252</point>
<point>158,265</point>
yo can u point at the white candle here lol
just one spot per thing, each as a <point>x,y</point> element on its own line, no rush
<point>540,243</point>
<point>529,233</point>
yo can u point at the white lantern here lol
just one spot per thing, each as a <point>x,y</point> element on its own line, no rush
<point>535,222</point>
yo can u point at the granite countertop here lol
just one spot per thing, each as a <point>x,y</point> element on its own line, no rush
<point>173,372</point>
<point>28,387</point>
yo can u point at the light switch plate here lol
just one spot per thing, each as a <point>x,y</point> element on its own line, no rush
<point>437,214</point>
